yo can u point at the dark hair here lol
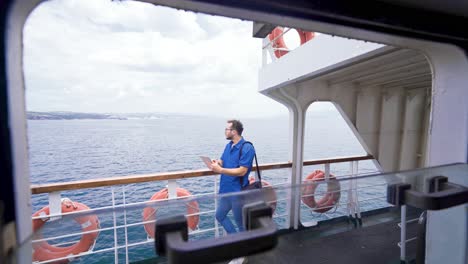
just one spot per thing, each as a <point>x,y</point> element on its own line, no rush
<point>237,126</point>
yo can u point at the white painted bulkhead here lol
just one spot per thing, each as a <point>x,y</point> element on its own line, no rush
<point>384,95</point>
<point>402,111</point>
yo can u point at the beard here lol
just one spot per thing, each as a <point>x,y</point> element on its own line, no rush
<point>229,138</point>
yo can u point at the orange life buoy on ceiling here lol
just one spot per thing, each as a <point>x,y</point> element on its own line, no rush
<point>268,193</point>
<point>43,251</point>
<point>279,46</point>
<point>331,197</point>
<point>149,213</point>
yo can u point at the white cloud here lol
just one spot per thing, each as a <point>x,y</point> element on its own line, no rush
<point>104,56</point>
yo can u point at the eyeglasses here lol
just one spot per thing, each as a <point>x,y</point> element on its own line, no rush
<point>226,129</point>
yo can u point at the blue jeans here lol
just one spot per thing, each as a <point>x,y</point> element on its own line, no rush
<point>225,205</point>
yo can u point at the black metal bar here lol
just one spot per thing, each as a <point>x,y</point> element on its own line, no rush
<point>441,195</point>
<point>450,195</point>
<point>396,193</point>
<point>167,225</point>
<point>174,243</point>
<point>435,183</point>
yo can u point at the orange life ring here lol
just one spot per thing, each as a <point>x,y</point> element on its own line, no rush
<point>268,191</point>
<point>43,251</point>
<point>278,42</point>
<point>331,197</point>
<point>149,213</point>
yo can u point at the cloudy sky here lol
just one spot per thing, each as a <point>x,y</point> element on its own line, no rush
<point>126,57</point>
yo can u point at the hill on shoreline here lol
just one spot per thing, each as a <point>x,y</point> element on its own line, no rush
<point>62,115</point>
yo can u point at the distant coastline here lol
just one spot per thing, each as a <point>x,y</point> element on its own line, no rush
<point>65,115</point>
<point>70,116</point>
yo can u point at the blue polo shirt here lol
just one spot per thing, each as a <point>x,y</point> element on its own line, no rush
<point>231,160</point>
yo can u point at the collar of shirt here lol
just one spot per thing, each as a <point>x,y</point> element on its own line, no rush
<point>236,146</point>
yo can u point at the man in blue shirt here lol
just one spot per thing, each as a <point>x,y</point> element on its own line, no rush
<point>234,167</point>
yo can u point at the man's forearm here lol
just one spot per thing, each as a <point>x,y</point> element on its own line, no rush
<point>234,172</point>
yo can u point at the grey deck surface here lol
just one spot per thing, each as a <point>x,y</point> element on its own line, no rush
<point>338,241</point>
<point>373,244</point>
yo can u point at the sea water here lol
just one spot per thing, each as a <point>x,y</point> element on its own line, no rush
<point>73,150</point>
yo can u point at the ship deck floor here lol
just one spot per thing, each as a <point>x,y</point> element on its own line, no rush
<point>341,241</point>
<point>376,243</point>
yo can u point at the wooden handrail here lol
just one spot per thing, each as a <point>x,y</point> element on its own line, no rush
<point>74,185</point>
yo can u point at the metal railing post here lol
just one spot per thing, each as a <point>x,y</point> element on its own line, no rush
<point>216,205</point>
<point>55,205</point>
<point>125,224</point>
<point>355,183</point>
<point>172,188</point>
<point>403,233</point>
<point>350,206</point>
<point>327,171</point>
<point>116,244</point>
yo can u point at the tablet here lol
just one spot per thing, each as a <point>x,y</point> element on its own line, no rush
<point>207,161</point>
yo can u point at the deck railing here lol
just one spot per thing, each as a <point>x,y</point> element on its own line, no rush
<point>55,190</point>
<point>176,175</point>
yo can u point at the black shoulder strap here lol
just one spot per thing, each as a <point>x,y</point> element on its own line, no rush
<point>256,162</point>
